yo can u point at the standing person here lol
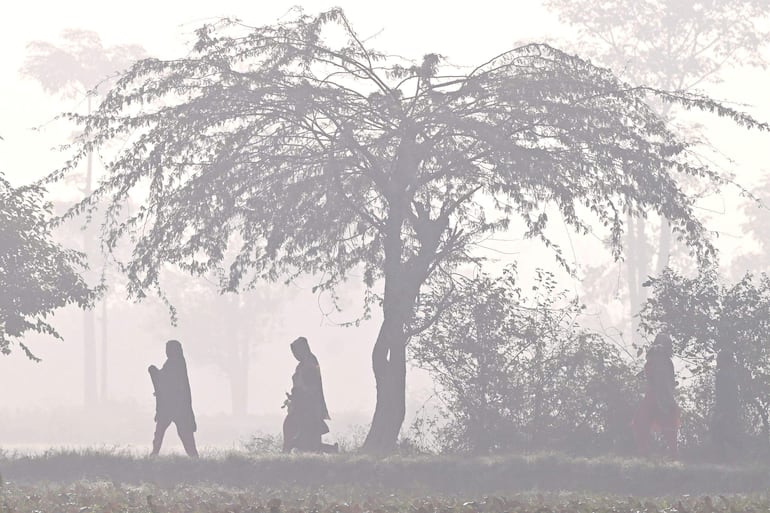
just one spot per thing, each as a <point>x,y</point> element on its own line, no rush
<point>173,401</point>
<point>658,411</point>
<point>305,421</point>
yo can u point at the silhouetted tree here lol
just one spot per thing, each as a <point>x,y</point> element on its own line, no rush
<point>755,226</point>
<point>325,157</point>
<point>227,327</point>
<point>82,68</point>
<point>673,45</point>
<point>37,276</point>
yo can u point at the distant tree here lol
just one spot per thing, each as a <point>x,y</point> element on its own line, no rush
<point>515,370</point>
<point>706,317</point>
<point>755,226</point>
<point>320,157</point>
<point>37,276</point>
<point>82,68</point>
<point>675,45</point>
<point>226,328</point>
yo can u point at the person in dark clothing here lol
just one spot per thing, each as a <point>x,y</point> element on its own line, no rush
<point>305,421</point>
<point>173,401</point>
<point>658,411</point>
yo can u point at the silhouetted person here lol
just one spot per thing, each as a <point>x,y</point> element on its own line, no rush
<point>658,411</point>
<point>173,401</point>
<point>725,423</point>
<point>305,422</point>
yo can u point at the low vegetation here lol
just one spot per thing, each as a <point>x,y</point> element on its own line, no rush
<point>110,497</point>
<point>401,475</point>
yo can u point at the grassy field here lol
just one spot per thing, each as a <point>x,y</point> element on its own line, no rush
<point>413,476</point>
<point>105,497</point>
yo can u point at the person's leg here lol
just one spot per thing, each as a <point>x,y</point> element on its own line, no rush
<point>670,432</point>
<point>160,429</point>
<point>187,436</point>
<point>330,448</point>
<point>641,426</point>
<point>288,433</point>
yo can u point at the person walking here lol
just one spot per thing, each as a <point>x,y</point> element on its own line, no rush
<point>173,400</point>
<point>305,421</point>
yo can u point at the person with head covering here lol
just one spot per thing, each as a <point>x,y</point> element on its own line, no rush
<point>658,411</point>
<point>173,400</point>
<point>305,421</point>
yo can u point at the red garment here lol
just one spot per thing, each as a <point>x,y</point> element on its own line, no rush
<point>658,411</point>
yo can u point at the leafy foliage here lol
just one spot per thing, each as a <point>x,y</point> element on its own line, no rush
<point>679,45</point>
<point>307,150</point>
<point>671,44</point>
<point>80,65</point>
<point>757,217</point>
<point>516,371</point>
<point>37,276</point>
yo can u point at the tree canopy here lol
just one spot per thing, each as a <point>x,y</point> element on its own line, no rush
<point>37,276</point>
<point>313,153</point>
<point>672,44</point>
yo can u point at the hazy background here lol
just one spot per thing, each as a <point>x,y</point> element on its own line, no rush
<point>42,403</point>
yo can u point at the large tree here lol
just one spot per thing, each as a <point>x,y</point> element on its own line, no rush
<point>677,45</point>
<point>37,276</point>
<point>82,68</point>
<point>313,153</point>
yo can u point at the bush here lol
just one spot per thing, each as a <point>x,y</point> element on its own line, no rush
<point>517,372</point>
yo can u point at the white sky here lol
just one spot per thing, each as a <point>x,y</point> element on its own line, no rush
<point>467,33</point>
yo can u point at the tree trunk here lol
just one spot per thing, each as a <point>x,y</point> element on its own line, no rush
<point>637,265</point>
<point>403,278</point>
<point>105,353</point>
<point>89,318</point>
<point>389,364</point>
<point>664,250</point>
<point>89,359</point>
<point>239,380</point>
<point>402,285</point>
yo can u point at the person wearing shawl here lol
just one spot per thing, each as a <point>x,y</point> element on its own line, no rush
<point>173,401</point>
<point>658,411</point>
<point>305,422</point>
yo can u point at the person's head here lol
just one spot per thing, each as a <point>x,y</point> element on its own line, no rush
<point>174,349</point>
<point>663,341</point>
<point>300,348</point>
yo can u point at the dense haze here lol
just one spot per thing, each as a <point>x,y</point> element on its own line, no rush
<point>42,403</point>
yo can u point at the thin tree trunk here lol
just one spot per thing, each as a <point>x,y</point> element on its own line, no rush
<point>664,249</point>
<point>637,266</point>
<point>389,364</point>
<point>389,353</point>
<point>239,380</point>
<point>89,318</point>
<point>105,353</point>
<point>631,273</point>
